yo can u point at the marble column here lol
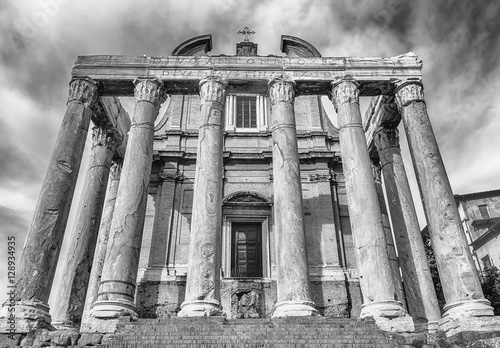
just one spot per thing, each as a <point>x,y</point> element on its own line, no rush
<point>375,273</point>
<point>459,278</point>
<point>294,297</point>
<point>39,258</point>
<point>203,273</point>
<point>419,288</point>
<point>389,240</point>
<point>71,297</point>
<point>102,240</point>
<point>119,274</point>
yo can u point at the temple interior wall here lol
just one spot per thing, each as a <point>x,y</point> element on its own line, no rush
<point>247,168</point>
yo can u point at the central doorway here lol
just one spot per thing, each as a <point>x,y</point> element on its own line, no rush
<point>246,250</point>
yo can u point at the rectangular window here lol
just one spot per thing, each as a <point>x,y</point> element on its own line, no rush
<point>483,210</point>
<point>486,261</point>
<point>246,253</point>
<point>246,112</point>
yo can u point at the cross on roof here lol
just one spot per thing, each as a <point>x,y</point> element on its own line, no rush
<point>246,32</point>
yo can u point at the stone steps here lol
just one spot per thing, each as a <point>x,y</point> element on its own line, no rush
<point>256,333</point>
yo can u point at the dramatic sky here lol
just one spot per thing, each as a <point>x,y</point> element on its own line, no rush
<point>458,42</point>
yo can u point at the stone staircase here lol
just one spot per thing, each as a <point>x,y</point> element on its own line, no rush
<point>256,333</point>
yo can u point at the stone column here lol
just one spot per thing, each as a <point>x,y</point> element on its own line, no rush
<point>41,250</point>
<point>102,240</point>
<point>389,240</point>
<point>71,297</point>
<point>419,288</point>
<point>294,297</point>
<point>375,273</point>
<point>203,273</point>
<point>461,286</point>
<point>118,281</point>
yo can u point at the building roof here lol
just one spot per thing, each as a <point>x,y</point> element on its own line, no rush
<point>472,195</point>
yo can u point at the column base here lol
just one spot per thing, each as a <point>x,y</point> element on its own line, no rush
<point>285,309</point>
<point>383,309</point>
<point>25,317</point>
<point>64,325</point>
<point>112,309</point>
<point>471,325</point>
<point>467,309</point>
<point>201,308</point>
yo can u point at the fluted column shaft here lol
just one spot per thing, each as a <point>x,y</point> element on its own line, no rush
<point>389,240</point>
<point>118,281</point>
<point>459,278</point>
<point>376,280</point>
<point>41,250</point>
<point>203,273</point>
<point>293,272</point>
<point>420,292</point>
<point>69,307</point>
<point>102,239</point>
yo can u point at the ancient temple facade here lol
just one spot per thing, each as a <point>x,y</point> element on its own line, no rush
<point>243,200</point>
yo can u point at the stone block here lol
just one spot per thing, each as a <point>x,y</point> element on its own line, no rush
<point>90,339</point>
<point>490,324</point>
<point>7,340</point>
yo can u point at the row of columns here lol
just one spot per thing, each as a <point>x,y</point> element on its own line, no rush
<point>114,266</point>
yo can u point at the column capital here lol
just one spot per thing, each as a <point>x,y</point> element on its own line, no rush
<point>407,92</point>
<point>376,170</point>
<point>149,88</point>
<point>343,91</point>
<point>83,89</point>
<point>213,89</point>
<point>116,170</point>
<point>106,136</point>
<point>386,137</point>
<point>281,90</point>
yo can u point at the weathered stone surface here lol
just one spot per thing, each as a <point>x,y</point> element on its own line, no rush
<point>294,297</point>
<point>203,274</point>
<point>312,74</point>
<point>102,239</point>
<point>41,250</point>
<point>69,307</point>
<point>88,339</point>
<point>461,286</point>
<point>389,240</point>
<point>420,292</point>
<point>375,273</point>
<point>117,288</point>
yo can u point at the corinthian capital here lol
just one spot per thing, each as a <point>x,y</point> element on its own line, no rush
<point>213,89</point>
<point>116,170</point>
<point>106,136</point>
<point>281,90</point>
<point>408,92</point>
<point>344,91</point>
<point>149,89</point>
<point>84,90</point>
<point>386,137</point>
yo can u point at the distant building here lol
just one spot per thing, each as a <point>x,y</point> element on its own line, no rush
<point>480,213</point>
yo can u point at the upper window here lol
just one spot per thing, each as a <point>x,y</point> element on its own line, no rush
<point>483,210</point>
<point>246,112</point>
<point>486,261</point>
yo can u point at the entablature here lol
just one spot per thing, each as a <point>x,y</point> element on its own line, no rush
<point>313,75</point>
